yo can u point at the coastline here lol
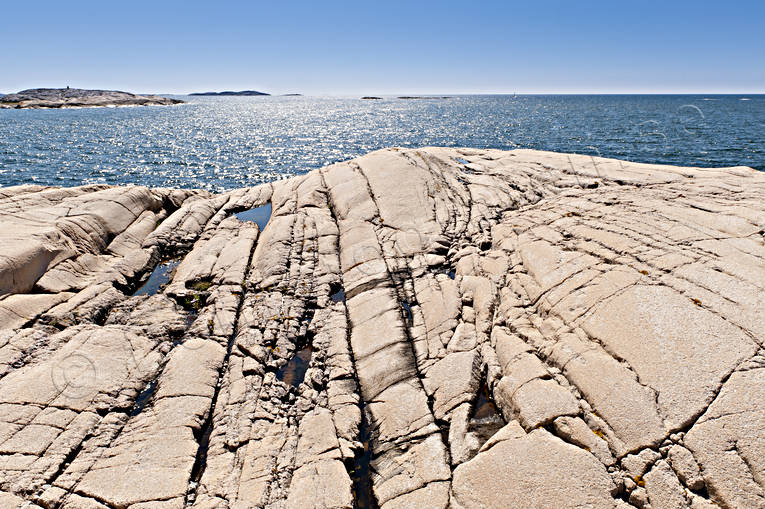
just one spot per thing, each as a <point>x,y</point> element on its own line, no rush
<point>84,107</point>
<point>609,310</point>
<point>67,98</point>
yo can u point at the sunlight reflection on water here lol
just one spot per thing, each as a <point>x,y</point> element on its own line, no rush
<point>225,142</point>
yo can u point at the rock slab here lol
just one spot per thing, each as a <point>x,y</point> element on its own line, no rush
<point>445,328</point>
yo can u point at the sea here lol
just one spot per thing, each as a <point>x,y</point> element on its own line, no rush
<point>220,143</point>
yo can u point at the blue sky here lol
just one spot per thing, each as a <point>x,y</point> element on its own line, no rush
<point>340,48</point>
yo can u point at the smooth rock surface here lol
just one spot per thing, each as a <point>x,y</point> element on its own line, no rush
<point>534,470</point>
<point>417,327</point>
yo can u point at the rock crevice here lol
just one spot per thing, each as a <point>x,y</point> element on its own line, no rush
<point>448,327</point>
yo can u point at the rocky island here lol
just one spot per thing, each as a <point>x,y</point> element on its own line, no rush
<point>228,92</point>
<point>506,329</point>
<point>79,98</point>
<point>424,97</point>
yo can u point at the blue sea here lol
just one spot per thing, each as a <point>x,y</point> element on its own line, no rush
<point>221,143</point>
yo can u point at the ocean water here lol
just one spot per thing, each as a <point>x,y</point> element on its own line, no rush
<point>221,143</point>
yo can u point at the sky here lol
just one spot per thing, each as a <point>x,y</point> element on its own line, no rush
<point>386,47</point>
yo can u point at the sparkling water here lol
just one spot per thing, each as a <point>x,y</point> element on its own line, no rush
<point>221,143</point>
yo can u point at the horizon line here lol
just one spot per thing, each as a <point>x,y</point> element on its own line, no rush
<point>429,94</point>
<point>443,94</point>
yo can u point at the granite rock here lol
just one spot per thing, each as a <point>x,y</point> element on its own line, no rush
<point>419,327</point>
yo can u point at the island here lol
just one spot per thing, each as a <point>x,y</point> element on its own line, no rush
<point>417,327</point>
<point>229,92</point>
<point>79,98</point>
<point>374,97</point>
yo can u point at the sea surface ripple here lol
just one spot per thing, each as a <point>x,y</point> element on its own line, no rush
<point>219,143</point>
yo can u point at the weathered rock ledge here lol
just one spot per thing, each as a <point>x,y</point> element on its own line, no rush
<point>611,312</point>
<point>79,98</point>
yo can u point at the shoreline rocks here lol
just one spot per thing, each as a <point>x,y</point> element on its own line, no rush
<point>474,328</point>
<point>38,98</point>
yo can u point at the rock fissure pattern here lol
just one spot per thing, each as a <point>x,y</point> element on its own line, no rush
<point>610,312</point>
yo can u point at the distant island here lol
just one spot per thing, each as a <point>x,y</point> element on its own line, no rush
<point>292,95</point>
<point>229,92</point>
<point>79,98</point>
<point>411,97</point>
<point>424,97</point>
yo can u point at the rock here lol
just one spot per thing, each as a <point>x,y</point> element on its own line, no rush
<point>679,349</point>
<point>452,381</point>
<point>534,470</point>
<point>463,443</point>
<point>89,305</point>
<point>374,334</point>
<point>663,488</point>
<point>635,465</point>
<point>42,233</point>
<point>525,391</point>
<point>12,501</point>
<point>574,430</point>
<point>613,390</point>
<point>20,309</point>
<point>685,466</point>
<point>322,484</point>
<point>160,438</point>
<point>417,476</point>
<point>698,502</point>
<point>539,402</point>
<point>639,498</point>
<point>79,98</point>
<point>728,444</point>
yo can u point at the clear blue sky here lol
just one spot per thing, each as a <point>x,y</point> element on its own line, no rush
<point>337,48</point>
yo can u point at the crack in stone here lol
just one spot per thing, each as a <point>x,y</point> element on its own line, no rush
<point>482,216</point>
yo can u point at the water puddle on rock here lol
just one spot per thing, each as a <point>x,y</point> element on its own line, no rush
<point>191,316</point>
<point>259,215</point>
<point>361,474</point>
<point>159,277</point>
<point>449,272</point>
<point>485,419</point>
<point>336,293</point>
<point>462,161</point>
<point>408,313</point>
<point>293,373</point>
<point>143,399</point>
